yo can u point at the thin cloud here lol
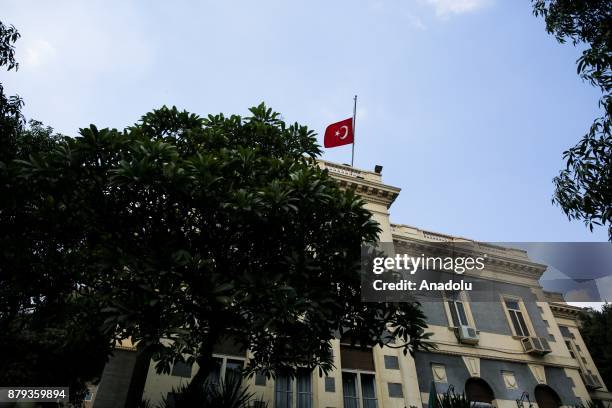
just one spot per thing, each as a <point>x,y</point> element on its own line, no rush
<point>38,53</point>
<point>446,8</point>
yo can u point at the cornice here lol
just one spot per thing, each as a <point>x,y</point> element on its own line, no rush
<point>365,183</point>
<point>519,267</point>
<point>565,311</point>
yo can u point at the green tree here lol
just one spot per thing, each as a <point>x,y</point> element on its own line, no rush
<point>11,119</point>
<point>584,188</point>
<point>48,327</point>
<point>596,330</point>
<point>189,231</point>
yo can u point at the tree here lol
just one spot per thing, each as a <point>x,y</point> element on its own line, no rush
<point>596,330</point>
<point>189,231</point>
<point>11,119</point>
<point>584,189</point>
<point>49,327</point>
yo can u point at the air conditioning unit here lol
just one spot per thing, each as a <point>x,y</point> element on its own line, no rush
<point>591,381</point>
<point>467,335</point>
<point>535,345</point>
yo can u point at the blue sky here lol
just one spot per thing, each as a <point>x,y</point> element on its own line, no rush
<point>468,104</point>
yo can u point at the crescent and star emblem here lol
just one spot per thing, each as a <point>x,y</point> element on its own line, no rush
<point>343,135</point>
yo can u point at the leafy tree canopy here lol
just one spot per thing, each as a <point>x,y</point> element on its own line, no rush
<point>11,119</point>
<point>186,231</point>
<point>596,330</point>
<point>584,188</point>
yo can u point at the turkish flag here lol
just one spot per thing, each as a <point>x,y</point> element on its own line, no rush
<point>339,133</point>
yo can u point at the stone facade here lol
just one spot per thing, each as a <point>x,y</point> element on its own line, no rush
<point>496,369</point>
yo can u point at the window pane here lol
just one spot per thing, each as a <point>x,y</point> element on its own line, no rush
<point>395,390</point>
<point>391,363</point>
<point>512,304</point>
<point>461,312</point>
<point>233,368</point>
<point>181,369</point>
<point>349,388</point>
<point>453,311</point>
<point>260,379</point>
<point>330,384</point>
<point>283,397</point>
<point>215,375</point>
<point>304,389</point>
<point>515,324</point>
<point>565,331</point>
<point>519,316</point>
<point>367,386</point>
<point>349,384</point>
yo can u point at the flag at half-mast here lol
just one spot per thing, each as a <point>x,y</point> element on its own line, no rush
<point>339,133</point>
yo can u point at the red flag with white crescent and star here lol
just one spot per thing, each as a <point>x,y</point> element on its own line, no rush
<point>339,133</point>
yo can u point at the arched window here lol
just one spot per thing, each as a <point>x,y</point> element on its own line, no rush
<point>477,390</point>
<point>546,397</point>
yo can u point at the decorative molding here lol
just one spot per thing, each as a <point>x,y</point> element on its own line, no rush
<point>565,311</point>
<point>473,365</point>
<point>509,380</point>
<point>518,267</point>
<point>439,373</point>
<point>539,373</point>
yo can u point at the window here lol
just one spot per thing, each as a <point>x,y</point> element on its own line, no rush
<point>330,384</point>
<point>457,311</point>
<point>577,347</point>
<point>541,310</point>
<point>284,390</point>
<point>584,360</point>
<point>395,390</point>
<point>546,323</point>
<point>260,379</point>
<point>181,369</point>
<point>304,389</point>
<point>359,390</point>
<point>516,317</point>
<point>391,363</point>
<point>568,344</point>
<point>233,368</point>
<point>565,331</point>
<point>215,374</point>
<point>224,367</point>
<point>551,337</point>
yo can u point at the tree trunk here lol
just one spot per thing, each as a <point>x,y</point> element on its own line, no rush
<point>206,363</point>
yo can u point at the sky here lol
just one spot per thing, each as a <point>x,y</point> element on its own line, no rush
<point>467,104</point>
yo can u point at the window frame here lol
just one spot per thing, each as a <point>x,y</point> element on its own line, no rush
<point>294,391</point>
<point>224,358</point>
<point>389,357</point>
<point>358,386</point>
<point>462,298</point>
<point>527,329</point>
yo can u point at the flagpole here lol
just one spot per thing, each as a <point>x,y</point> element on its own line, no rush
<point>354,117</point>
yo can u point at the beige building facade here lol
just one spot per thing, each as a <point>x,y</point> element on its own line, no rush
<point>522,348</point>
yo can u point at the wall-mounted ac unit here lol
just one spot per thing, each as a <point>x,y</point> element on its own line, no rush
<point>535,345</point>
<point>591,381</point>
<point>467,335</point>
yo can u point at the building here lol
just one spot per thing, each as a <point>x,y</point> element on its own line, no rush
<point>521,348</point>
